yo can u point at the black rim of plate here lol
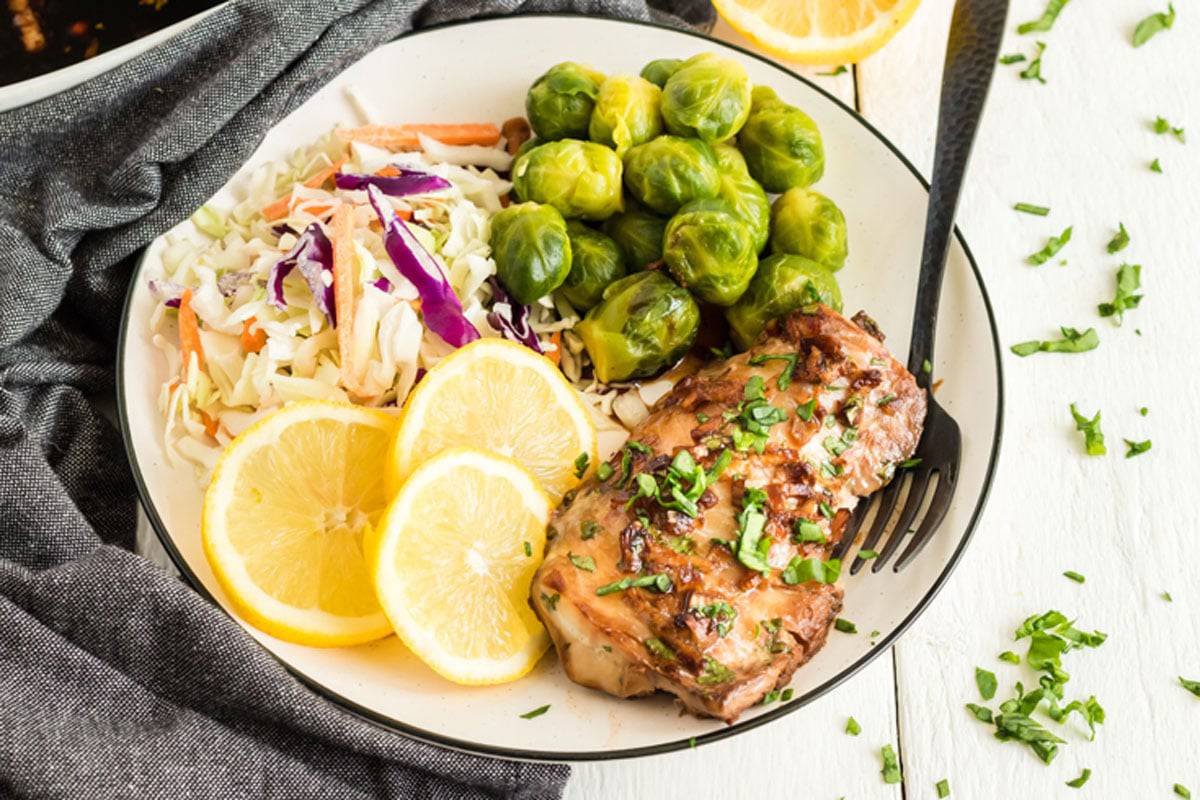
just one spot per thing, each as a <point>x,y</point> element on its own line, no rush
<point>430,737</point>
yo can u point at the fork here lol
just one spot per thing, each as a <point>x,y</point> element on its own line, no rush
<point>975,32</point>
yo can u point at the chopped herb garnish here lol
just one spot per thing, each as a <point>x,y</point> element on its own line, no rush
<point>1012,58</point>
<point>702,418</point>
<point>537,712</point>
<point>659,582</point>
<point>714,672</point>
<point>551,600</point>
<point>1029,208</point>
<point>604,471</point>
<point>1034,70</point>
<point>802,570</point>
<point>692,742</point>
<point>1143,411</point>
<point>752,546</point>
<point>867,555</point>
<point>721,613</point>
<point>908,463</point>
<point>1161,126</point>
<point>807,531</point>
<point>1156,166</point>
<point>1182,791</point>
<point>805,410</point>
<point>1119,241</point>
<point>1081,780</point>
<point>841,70</point>
<point>1045,22</point>
<point>852,726</point>
<point>528,549</point>
<point>1075,576</point>
<point>589,528</point>
<point>1129,280</point>
<point>785,377</point>
<point>943,788</point>
<point>986,682</point>
<point>926,367</point>
<point>660,649</point>
<point>719,465</point>
<point>1053,245</point>
<point>1136,448</point>
<point>981,713</point>
<point>754,417</point>
<point>1153,24</point>
<point>1093,437</point>
<point>681,544</point>
<point>1191,686</point>
<point>891,765</point>
<point>825,509</point>
<point>845,625</point>
<point>1073,341</point>
<point>1010,657</point>
<point>585,563</point>
<point>581,465</point>
<point>885,400</point>
<point>786,695</point>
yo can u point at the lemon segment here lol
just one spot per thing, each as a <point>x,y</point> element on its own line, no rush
<point>284,517</point>
<point>827,32</point>
<point>500,396</point>
<point>452,561</point>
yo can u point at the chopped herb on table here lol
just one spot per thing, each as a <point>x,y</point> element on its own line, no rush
<point>1075,576</point>
<point>1191,686</point>
<point>867,555</point>
<point>1044,23</point>
<point>1161,126</point>
<point>1030,208</point>
<point>1156,166</point>
<point>1129,280</point>
<point>1093,437</point>
<point>943,788</point>
<point>1152,25</point>
<point>1167,597</point>
<point>1053,245</point>
<point>1034,70</point>
<point>1073,341</point>
<point>852,726</point>
<point>980,712</point>
<point>845,625</point>
<point>841,70</point>
<point>1012,58</point>
<point>1136,448</point>
<point>891,765</point>
<point>1010,657</point>
<point>537,712</point>
<point>1081,780</point>
<point>1182,791</point>
<point>1119,241</point>
<point>986,682</point>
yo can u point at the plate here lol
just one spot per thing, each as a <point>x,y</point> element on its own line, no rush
<point>480,71</point>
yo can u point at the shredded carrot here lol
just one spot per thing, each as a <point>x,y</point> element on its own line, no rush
<point>388,172</point>
<point>343,293</point>
<point>210,424</point>
<point>404,137</point>
<point>556,354</point>
<point>253,341</point>
<point>189,333</point>
<point>278,209</point>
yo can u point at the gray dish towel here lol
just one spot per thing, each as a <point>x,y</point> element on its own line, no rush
<point>116,679</point>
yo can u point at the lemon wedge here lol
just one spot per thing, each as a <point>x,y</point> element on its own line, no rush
<point>499,396</point>
<point>818,31</point>
<point>452,561</point>
<point>284,517</point>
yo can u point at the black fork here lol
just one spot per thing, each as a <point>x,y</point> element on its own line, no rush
<point>932,473</point>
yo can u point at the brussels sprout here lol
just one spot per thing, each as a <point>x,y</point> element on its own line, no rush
<point>580,179</point>
<point>710,251</point>
<point>668,172</point>
<point>626,113</point>
<point>781,144</point>
<point>782,284</point>
<point>531,249</point>
<point>644,323</point>
<point>807,223</point>
<point>743,193</point>
<point>660,69</point>
<point>708,96</point>
<point>559,104</point>
<point>638,233</point>
<point>596,261</point>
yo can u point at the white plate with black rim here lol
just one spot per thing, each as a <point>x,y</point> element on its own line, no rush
<point>480,71</point>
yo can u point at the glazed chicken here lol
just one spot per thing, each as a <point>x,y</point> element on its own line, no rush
<point>696,561</point>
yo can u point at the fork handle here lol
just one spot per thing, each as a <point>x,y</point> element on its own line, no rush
<point>975,32</point>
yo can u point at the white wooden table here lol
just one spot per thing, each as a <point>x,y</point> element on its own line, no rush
<point>1080,144</point>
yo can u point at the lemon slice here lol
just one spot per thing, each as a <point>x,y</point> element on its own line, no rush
<point>500,396</point>
<point>452,561</point>
<point>284,518</point>
<point>818,31</point>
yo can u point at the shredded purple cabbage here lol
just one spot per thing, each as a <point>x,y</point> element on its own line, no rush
<point>169,292</point>
<point>382,284</point>
<point>439,305</point>
<point>511,318</point>
<point>313,256</point>
<point>409,181</point>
